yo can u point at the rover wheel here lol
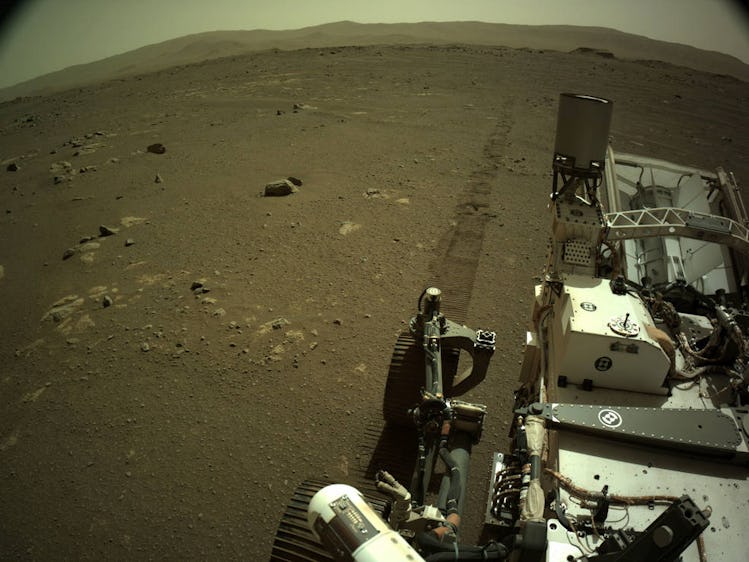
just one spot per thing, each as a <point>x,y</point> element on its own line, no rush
<point>294,540</point>
<point>406,378</point>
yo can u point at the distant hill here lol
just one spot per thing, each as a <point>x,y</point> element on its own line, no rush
<point>216,44</point>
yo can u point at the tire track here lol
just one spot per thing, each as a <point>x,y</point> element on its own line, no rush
<point>454,271</point>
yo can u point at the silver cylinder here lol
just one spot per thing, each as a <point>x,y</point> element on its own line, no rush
<point>583,124</point>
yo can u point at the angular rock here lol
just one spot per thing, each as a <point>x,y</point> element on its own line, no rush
<point>129,242</point>
<point>69,253</point>
<point>107,301</point>
<point>156,148</point>
<point>12,167</point>
<point>158,179</point>
<point>296,181</point>
<point>196,285</point>
<point>279,323</point>
<point>107,231</point>
<point>279,188</point>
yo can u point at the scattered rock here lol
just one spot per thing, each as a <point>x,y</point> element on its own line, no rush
<point>107,231</point>
<point>156,148</point>
<point>12,167</point>
<point>2,272</point>
<point>158,179</point>
<point>348,227</point>
<point>61,166</point>
<point>127,222</point>
<point>279,323</point>
<point>69,253</point>
<point>114,160</point>
<point>107,301</point>
<point>144,347</point>
<point>338,322</point>
<point>196,285</point>
<point>219,312</point>
<point>129,242</point>
<point>63,308</point>
<point>279,188</point>
<point>87,239</point>
<point>279,112</point>
<point>296,181</point>
<point>61,179</point>
<point>89,246</point>
<point>85,169</point>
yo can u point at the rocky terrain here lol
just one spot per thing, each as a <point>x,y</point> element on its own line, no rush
<point>179,351</point>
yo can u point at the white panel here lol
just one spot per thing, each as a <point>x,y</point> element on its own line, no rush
<point>592,462</point>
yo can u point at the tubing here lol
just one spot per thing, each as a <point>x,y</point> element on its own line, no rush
<point>429,542</point>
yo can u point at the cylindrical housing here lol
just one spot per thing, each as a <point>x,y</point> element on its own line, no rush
<point>583,124</point>
<point>351,530</point>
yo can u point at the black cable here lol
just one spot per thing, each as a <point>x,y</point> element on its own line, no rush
<point>455,491</point>
<point>443,551</point>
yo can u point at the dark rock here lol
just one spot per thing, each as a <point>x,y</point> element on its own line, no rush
<point>69,253</point>
<point>107,301</point>
<point>86,239</point>
<point>107,231</point>
<point>156,148</point>
<point>196,285</point>
<point>296,181</point>
<point>129,242</point>
<point>279,188</point>
<point>12,167</point>
<point>279,112</point>
<point>158,179</point>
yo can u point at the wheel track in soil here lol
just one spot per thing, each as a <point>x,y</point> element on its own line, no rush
<point>453,271</point>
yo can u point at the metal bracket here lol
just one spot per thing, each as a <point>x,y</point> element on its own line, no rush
<point>707,432</point>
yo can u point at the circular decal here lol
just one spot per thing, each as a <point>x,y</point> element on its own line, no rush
<point>588,306</point>
<point>603,363</point>
<point>623,326</point>
<point>610,418</point>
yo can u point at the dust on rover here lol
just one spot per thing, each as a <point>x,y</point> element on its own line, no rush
<point>630,426</point>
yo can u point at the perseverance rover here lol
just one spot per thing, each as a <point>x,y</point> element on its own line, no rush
<point>630,426</point>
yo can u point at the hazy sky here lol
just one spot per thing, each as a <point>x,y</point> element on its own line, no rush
<point>47,35</point>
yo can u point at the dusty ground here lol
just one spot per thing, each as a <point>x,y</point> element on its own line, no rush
<point>175,426</point>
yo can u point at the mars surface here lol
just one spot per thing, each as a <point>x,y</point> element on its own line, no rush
<point>179,351</point>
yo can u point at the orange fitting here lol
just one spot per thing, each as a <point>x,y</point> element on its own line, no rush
<point>446,425</point>
<point>454,522</point>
